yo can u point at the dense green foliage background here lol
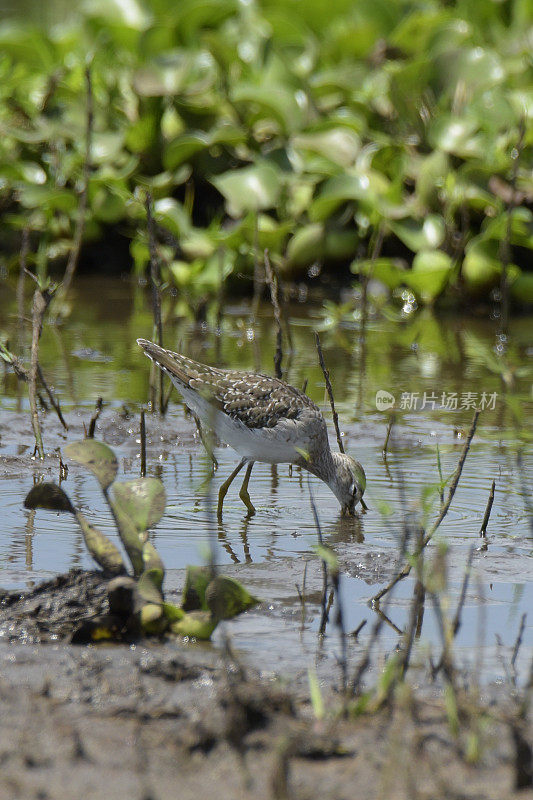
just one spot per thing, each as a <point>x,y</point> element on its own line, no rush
<point>329,126</point>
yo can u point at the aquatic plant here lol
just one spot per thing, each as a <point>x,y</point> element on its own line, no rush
<point>303,129</point>
<point>138,605</point>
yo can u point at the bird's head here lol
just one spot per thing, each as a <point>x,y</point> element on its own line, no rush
<point>349,482</point>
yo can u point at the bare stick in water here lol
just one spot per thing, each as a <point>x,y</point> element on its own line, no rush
<point>273,284</point>
<point>329,388</point>
<point>486,517</point>
<point>324,616</point>
<point>74,254</point>
<point>24,249</point>
<point>392,419</point>
<point>143,445</point>
<point>40,304</point>
<point>94,419</point>
<point>156,374</point>
<point>442,513</point>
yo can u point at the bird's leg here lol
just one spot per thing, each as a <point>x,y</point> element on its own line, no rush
<point>222,492</point>
<point>243,494</point>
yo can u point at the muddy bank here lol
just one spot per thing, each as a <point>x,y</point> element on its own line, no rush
<point>177,720</point>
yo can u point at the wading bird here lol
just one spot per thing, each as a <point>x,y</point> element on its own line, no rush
<point>262,419</point>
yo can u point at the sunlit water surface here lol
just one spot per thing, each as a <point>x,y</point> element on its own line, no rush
<point>94,354</point>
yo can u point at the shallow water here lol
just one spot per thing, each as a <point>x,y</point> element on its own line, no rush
<point>94,354</point>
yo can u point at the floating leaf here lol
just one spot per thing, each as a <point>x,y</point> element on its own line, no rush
<point>97,457</point>
<point>195,625</point>
<point>143,500</point>
<point>101,548</point>
<point>49,496</point>
<point>226,597</point>
<point>253,188</point>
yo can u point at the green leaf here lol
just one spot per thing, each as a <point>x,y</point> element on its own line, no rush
<point>101,548</point>
<point>420,235</point>
<point>143,500</point>
<point>172,612</point>
<point>197,580</point>
<point>226,597</point>
<point>317,700</point>
<point>253,188</point>
<point>149,588</point>
<point>386,270</point>
<point>195,625</point>
<point>430,274</point>
<point>49,496</point>
<point>97,457</point>
<point>365,186</point>
<point>481,267</point>
<point>153,619</point>
<point>326,554</point>
<point>129,536</point>
<point>339,145</point>
<point>306,246</point>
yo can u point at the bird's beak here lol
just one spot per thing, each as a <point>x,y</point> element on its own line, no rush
<point>348,510</point>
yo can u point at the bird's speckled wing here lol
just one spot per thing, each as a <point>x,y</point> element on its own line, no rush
<point>258,401</point>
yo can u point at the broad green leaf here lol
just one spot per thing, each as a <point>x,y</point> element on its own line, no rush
<point>172,612</point>
<point>197,580</point>
<point>195,625</point>
<point>339,145</point>
<point>269,101</point>
<point>153,619</point>
<point>101,548</point>
<point>97,457</point>
<point>143,500</point>
<point>306,246</point>
<point>226,597</point>
<point>481,268</point>
<point>49,496</point>
<point>129,536</point>
<point>253,188</point>
<point>365,186</point>
<point>522,288</point>
<point>457,135</point>
<point>418,235</point>
<point>430,274</point>
<point>171,215</point>
<point>149,588</point>
<point>386,270</point>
